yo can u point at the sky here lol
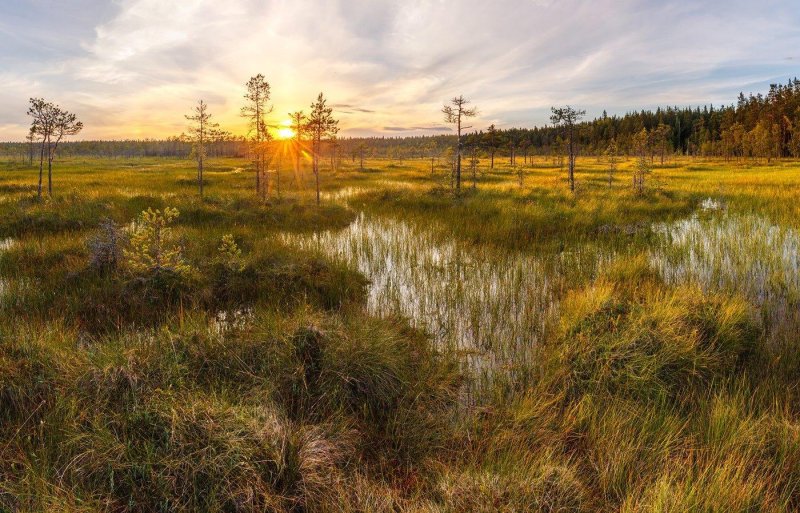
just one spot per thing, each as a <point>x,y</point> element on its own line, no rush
<point>133,68</point>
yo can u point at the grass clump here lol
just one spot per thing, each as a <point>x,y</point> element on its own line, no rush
<point>655,397</point>
<point>247,419</point>
<point>652,344</point>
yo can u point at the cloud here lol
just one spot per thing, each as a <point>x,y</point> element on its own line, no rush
<point>417,129</point>
<point>350,109</point>
<point>132,68</point>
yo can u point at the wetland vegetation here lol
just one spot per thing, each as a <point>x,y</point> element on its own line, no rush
<point>397,348</point>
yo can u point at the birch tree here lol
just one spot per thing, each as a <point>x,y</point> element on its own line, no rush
<point>42,113</point>
<point>51,124</point>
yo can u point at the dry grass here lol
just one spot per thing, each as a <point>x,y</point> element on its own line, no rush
<point>274,385</point>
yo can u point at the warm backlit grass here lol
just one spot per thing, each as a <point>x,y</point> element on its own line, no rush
<point>608,357</point>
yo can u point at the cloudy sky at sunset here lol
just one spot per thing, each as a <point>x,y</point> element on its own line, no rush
<point>132,68</point>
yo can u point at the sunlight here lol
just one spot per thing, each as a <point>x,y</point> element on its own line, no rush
<point>285,133</point>
<point>285,130</point>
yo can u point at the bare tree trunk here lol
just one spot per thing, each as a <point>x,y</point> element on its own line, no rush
<point>258,177</point>
<point>278,175</point>
<point>200,176</point>
<point>41,170</point>
<point>266,190</point>
<point>317,145</point>
<point>49,170</point>
<point>458,157</point>
<point>571,162</point>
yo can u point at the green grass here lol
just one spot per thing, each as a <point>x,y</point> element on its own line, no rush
<point>586,352</point>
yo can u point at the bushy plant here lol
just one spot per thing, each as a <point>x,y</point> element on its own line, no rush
<point>152,247</point>
<point>660,344</point>
<point>106,246</point>
<point>230,255</point>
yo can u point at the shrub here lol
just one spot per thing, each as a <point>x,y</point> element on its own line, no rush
<point>106,246</point>
<point>152,248</point>
<point>230,255</point>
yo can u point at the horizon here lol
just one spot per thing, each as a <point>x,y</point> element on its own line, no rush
<point>131,69</point>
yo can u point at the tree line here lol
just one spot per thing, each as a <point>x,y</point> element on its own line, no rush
<point>755,127</point>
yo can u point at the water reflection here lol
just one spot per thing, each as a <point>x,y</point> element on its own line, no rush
<point>492,306</point>
<point>489,305</point>
<point>742,253</point>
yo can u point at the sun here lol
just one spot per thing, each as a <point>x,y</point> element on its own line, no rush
<point>285,131</point>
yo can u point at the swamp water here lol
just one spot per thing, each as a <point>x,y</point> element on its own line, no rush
<point>492,306</point>
<point>731,252</point>
<point>5,283</point>
<point>488,305</point>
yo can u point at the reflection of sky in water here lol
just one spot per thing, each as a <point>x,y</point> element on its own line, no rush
<point>491,305</point>
<point>732,252</point>
<point>5,284</point>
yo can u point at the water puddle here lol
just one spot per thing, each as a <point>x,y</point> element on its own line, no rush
<point>493,306</point>
<point>225,321</point>
<point>7,243</point>
<point>343,194</point>
<point>11,288</point>
<point>488,305</point>
<point>742,253</point>
<point>6,285</point>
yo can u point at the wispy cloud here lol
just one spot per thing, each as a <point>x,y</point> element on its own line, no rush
<point>350,109</point>
<point>132,68</point>
<point>432,128</point>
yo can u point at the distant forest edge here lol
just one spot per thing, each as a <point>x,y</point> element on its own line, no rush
<point>757,126</point>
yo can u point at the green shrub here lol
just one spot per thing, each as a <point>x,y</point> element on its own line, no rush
<point>152,248</point>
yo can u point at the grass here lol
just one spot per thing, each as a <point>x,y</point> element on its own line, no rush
<point>400,348</point>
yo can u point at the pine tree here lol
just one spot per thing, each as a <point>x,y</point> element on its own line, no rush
<point>256,110</point>
<point>567,118</point>
<point>201,132</point>
<point>320,125</point>
<point>455,113</point>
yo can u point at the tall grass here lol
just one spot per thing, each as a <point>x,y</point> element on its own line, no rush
<point>517,348</point>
